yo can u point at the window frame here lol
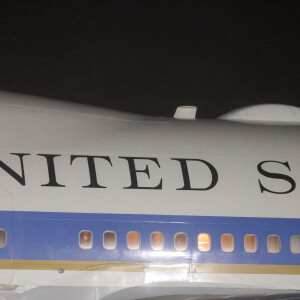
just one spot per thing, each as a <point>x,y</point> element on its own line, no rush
<point>5,236</point>
<point>275,235</point>
<point>163,241</point>
<point>187,241</point>
<point>251,252</point>
<point>294,235</point>
<point>140,240</point>
<point>209,242</point>
<point>233,243</point>
<point>116,240</point>
<point>79,240</point>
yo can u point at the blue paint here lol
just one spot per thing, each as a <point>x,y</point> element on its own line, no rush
<point>6,223</point>
<point>54,236</point>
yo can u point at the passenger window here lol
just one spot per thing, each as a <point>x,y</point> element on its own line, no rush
<point>204,242</point>
<point>133,240</point>
<point>295,244</point>
<point>109,240</point>
<point>157,241</point>
<point>180,241</point>
<point>227,242</point>
<point>273,244</point>
<point>2,238</point>
<point>85,239</point>
<point>250,243</point>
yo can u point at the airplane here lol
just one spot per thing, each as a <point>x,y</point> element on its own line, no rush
<point>101,204</point>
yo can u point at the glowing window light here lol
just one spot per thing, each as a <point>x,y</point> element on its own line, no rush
<point>204,243</point>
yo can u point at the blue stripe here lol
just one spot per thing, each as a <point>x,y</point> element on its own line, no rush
<point>54,236</point>
<point>6,223</point>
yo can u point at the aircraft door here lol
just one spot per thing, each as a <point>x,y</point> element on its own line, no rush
<point>6,237</point>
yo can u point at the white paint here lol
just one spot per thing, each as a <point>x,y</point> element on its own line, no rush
<point>234,149</point>
<point>41,126</point>
<point>265,114</point>
<point>185,113</point>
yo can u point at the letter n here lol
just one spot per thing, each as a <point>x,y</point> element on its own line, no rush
<point>11,172</point>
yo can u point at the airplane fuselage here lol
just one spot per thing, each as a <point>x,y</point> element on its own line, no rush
<point>95,198</point>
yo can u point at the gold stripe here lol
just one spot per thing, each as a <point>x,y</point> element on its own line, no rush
<point>5,264</point>
<point>148,267</point>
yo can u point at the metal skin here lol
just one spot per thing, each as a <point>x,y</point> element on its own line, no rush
<point>152,175</point>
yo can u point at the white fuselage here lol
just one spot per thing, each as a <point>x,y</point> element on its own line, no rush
<point>144,166</point>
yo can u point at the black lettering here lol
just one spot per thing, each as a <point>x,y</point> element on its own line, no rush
<point>276,176</point>
<point>12,173</point>
<point>133,172</point>
<point>92,169</point>
<point>51,170</point>
<point>186,176</point>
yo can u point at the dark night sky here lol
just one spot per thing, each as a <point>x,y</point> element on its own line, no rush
<point>150,56</point>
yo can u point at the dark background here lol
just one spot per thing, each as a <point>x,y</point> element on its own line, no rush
<point>150,56</point>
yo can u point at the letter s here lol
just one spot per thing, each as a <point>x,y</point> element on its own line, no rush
<point>276,176</point>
